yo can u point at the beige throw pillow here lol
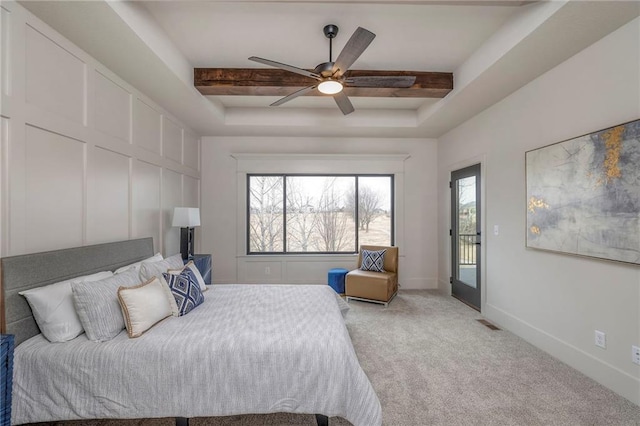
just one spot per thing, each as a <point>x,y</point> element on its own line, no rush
<point>145,305</point>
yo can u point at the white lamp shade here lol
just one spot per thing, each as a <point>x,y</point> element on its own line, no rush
<point>186,217</point>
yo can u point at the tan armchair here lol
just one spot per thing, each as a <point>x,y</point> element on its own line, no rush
<point>370,286</point>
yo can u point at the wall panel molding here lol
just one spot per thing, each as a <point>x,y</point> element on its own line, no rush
<point>112,108</point>
<point>54,207</point>
<point>191,151</point>
<point>5,48</point>
<point>4,185</point>
<point>146,202</point>
<point>55,77</point>
<point>171,140</point>
<point>147,127</point>
<point>83,152</point>
<point>171,197</point>
<point>107,196</point>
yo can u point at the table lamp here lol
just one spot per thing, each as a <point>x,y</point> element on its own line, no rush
<point>186,218</point>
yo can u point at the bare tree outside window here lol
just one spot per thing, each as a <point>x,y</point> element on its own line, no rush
<point>333,220</point>
<point>374,210</point>
<point>467,220</point>
<point>467,199</point>
<point>319,213</point>
<point>369,206</point>
<point>302,216</point>
<point>265,214</point>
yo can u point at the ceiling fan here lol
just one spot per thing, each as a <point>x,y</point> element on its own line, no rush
<point>331,77</point>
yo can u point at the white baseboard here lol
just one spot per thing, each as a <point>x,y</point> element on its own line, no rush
<point>418,283</point>
<point>606,374</point>
<point>444,286</point>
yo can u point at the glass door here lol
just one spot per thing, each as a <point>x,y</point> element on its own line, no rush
<point>465,235</point>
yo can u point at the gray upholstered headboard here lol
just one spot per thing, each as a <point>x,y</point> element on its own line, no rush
<point>18,273</point>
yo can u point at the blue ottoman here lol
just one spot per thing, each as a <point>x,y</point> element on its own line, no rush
<point>336,279</point>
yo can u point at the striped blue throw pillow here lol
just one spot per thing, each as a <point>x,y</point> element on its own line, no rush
<point>373,260</point>
<point>185,289</point>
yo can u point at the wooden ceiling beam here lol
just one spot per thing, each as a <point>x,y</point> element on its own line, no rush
<point>275,82</point>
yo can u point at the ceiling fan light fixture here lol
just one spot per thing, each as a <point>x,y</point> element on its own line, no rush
<point>330,87</point>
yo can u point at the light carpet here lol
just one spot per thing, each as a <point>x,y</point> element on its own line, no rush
<point>432,363</point>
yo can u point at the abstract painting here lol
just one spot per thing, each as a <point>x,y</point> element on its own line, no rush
<point>583,195</point>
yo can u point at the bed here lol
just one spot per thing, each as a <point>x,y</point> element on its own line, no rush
<point>247,349</point>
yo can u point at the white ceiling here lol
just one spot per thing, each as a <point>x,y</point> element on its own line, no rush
<point>224,35</point>
<point>408,36</point>
<point>492,47</point>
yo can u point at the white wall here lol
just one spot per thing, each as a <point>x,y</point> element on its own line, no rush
<point>86,158</point>
<point>555,301</point>
<point>223,202</point>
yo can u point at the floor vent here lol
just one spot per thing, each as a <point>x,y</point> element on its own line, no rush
<point>488,324</point>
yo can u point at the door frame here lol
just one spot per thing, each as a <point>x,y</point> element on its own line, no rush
<point>481,159</point>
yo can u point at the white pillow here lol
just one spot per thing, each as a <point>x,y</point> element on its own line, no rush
<point>53,310</point>
<point>155,258</point>
<point>196,273</point>
<point>98,307</point>
<point>149,270</point>
<point>145,305</point>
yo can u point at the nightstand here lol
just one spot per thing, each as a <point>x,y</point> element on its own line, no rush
<point>203,263</point>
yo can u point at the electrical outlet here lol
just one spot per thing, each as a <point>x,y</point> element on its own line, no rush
<point>601,339</point>
<point>267,270</point>
<point>635,354</point>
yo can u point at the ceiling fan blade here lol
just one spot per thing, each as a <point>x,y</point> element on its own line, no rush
<point>343,103</point>
<point>402,82</point>
<point>285,67</point>
<point>357,44</point>
<point>293,95</point>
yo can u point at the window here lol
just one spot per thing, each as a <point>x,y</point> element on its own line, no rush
<point>318,213</point>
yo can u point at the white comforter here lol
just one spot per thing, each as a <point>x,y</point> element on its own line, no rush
<point>246,349</point>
